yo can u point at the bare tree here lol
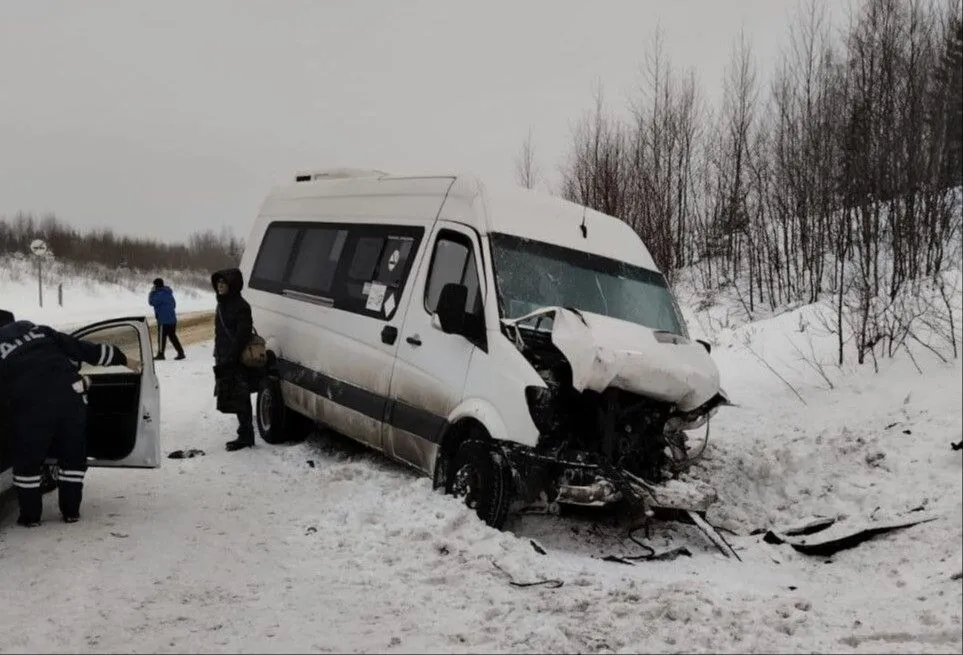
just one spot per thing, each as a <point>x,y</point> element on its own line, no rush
<point>526,170</point>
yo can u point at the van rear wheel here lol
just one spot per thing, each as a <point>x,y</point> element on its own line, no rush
<point>481,477</point>
<point>276,423</point>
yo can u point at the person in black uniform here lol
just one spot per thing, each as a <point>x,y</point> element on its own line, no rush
<point>233,382</point>
<point>46,407</point>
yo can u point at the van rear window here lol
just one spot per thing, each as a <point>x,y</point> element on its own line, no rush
<point>272,260</point>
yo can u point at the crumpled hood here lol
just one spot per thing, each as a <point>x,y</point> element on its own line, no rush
<point>606,352</point>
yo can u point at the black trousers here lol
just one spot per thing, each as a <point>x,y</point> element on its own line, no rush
<point>53,425</point>
<point>165,332</point>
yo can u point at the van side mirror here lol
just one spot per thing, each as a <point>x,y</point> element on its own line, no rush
<point>451,308</point>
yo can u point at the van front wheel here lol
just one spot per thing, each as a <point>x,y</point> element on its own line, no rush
<point>481,477</point>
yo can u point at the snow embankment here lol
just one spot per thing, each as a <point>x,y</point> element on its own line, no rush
<point>88,296</point>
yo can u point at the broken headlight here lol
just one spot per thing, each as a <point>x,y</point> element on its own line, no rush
<point>697,417</point>
<point>541,407</point>
<point>689,421</point>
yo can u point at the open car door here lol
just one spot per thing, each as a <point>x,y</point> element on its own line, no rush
<point>123,402</point>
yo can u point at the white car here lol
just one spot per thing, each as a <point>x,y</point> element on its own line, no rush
<point>513,345</point>
<point>123,405</point>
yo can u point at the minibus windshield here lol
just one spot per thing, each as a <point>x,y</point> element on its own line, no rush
<point>530,275</point>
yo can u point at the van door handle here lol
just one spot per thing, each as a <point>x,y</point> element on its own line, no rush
<point>414,340</point>
<point>389,334</point>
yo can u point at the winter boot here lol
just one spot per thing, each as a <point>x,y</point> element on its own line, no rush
<point>158,357</point>
<point>71,519</point>
<point>239,443</point>
<point>28,522</point>
<point>180,356</point>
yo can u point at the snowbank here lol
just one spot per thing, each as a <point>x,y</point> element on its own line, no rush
<point>87,299</point>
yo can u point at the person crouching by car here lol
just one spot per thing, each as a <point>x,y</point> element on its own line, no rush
<point>233,382</point>
<point>161,298</point>
<point>46,399</point>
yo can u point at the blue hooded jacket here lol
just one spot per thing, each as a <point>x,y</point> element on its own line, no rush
<point>162,300</point>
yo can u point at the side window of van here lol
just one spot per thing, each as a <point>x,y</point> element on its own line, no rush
<point>272,259</point>
<point>316,260</point>
<point>358,268</point>
<point>376,266</point>
<point>453,262</point>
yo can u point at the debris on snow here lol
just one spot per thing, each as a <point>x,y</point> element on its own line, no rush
<point>186,454</point>
<point>552,583</point>
<point>826,541</point>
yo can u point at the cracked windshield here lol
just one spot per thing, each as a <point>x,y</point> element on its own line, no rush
<point>532,274</point>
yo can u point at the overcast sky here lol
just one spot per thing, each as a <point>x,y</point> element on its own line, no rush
<point>159,118</point>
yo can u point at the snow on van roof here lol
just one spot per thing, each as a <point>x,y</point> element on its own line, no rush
<point>542,217</point>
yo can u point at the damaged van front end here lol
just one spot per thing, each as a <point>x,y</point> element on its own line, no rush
<point>612,413</point>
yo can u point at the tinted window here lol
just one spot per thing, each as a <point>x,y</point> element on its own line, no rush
<point>377,271</point>
<point>366,254</point>
<point>360,268</point>
<point>453,262</point>
<point>272,260</point>
<point>317,259</point>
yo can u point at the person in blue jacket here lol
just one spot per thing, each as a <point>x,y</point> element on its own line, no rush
<point>44,400</point>
<point>161,298</point>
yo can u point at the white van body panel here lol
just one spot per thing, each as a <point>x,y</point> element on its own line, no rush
<point>405,395</point>
<point>429,370</point>
<point>345,347</point>
<point>495,388</point>
<point>532,215</point>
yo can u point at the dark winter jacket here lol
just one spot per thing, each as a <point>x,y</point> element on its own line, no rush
<point>233,326</point>
<point>36,360</point>
<point>162,300</point>
<point>232,319</point>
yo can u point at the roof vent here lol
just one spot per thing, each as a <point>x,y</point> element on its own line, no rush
<point>337,173</point>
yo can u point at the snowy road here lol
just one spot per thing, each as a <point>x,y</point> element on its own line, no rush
<point>258,551</point>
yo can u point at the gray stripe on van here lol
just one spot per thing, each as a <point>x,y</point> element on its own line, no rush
<point>400,415</point>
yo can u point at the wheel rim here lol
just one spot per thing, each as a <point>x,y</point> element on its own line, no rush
<point>467,485</point>
<point>265,405</point>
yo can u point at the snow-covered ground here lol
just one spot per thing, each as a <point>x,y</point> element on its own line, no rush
<point>322,546</point>
<point>85,300</point>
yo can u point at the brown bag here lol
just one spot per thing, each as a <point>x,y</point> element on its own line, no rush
<point>254,354</point>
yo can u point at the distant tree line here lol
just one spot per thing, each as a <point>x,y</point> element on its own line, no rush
<point>204,250</point>
<point>837,178</point>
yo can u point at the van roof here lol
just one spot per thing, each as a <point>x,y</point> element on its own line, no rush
<point>504,209</point>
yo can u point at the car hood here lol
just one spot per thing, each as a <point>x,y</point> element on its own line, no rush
<point>606,352</point>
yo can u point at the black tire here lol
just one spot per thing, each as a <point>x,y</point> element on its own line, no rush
<point>269,411</point>
<point>481,476</point>
<point>277,424</point>
<point>48,478</point>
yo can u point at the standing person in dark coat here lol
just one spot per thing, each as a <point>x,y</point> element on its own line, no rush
<point>46,399</point>
<point>161,298</point>
<point>233,382</point>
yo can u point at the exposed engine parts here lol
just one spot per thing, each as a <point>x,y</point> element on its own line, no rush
<point>601,446</point>
<point>592,431</point>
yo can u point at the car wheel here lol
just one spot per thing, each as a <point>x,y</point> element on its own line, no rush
<point>481,476</point>
<point>48,478</point>
<point>276,423</point>
<point>270,411</point>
